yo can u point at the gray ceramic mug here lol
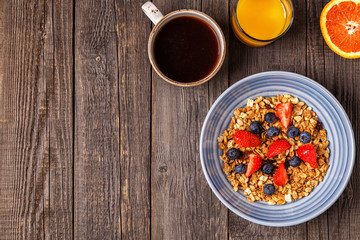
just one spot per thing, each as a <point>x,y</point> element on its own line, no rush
<point>160,20</point>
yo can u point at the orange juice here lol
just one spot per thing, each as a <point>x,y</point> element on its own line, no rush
<point>259,22</point>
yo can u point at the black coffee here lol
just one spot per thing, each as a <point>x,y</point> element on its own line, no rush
<point>186,49</point>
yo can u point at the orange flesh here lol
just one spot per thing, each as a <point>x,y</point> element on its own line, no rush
<point>343,26</point>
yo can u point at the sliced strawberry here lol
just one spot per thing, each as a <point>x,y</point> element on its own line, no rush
<point>307,153</point>
<point>246,139</point>
<point>254,164</point>
<point>277,147</point>
<point>283,111</point>
<point>281,177</point>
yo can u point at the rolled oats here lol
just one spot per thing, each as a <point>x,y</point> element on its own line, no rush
<point>301,179</point>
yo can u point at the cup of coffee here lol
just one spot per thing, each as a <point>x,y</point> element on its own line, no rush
<point>186,47</point>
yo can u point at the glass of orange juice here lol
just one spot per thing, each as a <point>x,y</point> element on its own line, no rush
<point>257,23</point>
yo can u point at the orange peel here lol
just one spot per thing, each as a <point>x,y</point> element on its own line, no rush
<point>340,26</point>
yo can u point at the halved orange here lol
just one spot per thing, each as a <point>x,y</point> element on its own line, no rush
<point>340,26</point>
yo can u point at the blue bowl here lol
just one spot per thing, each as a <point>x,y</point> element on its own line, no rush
<point>335,122</point>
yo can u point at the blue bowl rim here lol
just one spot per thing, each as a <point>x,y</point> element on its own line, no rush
<point>347,124</point>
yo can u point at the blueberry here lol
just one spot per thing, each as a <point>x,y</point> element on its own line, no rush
<point>269,189</point>
<point>272,131</point>
<point>305,137</point>
<point>240,168</point>
<point>255,127</point>
<point>234,153</point>
<point>267,168</point>
<point>294,161</point>
<point>292,132</point>
<point>270,117</point>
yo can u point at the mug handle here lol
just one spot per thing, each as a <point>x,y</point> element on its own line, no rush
<point>152,12</point>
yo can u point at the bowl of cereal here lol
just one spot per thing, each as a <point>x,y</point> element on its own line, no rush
<point>277,148</point>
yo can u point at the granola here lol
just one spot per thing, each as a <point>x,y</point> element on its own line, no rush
<point>301,179</point>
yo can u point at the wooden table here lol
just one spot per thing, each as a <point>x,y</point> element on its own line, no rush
<point>94,145</point>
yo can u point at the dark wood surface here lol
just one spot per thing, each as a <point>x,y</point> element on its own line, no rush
<point>94,145</point>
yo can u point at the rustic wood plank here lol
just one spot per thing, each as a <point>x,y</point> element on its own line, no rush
<point>216,212</point>
<point>318,227</point>
<point>286,54</point>
<point>24,161</point>
<point>59,81</point>
<point>133,29</point>
<point>182,205</point>
<point>219,11</point>
<point>350,101</point>
<point>97,160</point>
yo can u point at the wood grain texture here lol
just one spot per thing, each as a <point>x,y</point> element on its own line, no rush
<point>59,80</point>
<point>218,216</point>
<point>97,160</point>
<point>182,205</point>
<point>132,29</point>
<point>34,79</point>
<point>219,11</point>
<point>24,161</point>
<point>285,54</point>
<point>351,103</point>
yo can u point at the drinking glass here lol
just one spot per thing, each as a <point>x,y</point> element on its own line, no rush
<point>259,23</point>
